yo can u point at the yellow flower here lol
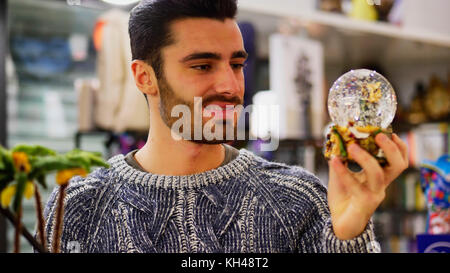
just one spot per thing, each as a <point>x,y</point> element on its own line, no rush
<point>21,162</point>
<point>7,194</point>
<point>29,190</point>
<point>62,177</point>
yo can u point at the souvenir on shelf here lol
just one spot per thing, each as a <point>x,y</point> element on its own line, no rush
<point>437,100</point>
<point>416,114</point>
<point>330,6</point>
<point>435,182</point>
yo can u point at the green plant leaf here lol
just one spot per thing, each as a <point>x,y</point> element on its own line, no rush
<point>48,164</point>
<point>98,161</point>
<point>81,161</point>
<point>341,144</point>
<point>91,158</point>
<point>21,179</point>
<point>6,159</point>
<point>35,150</point>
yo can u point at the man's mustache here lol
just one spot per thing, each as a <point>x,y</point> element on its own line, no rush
<point>235,100</point>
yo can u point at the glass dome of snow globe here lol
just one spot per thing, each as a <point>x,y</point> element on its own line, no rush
<point>362,97</point>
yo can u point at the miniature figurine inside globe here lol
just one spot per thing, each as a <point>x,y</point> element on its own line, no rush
<point>361,103</point>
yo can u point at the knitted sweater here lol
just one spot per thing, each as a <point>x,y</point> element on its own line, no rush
<point>247,205</point>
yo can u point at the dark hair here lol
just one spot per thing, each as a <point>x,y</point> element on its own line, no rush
<point>149,25</point>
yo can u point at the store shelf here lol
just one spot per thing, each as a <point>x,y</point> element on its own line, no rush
<point>290,9</point>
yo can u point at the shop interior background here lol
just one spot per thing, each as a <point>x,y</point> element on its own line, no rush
<point>50,62</point>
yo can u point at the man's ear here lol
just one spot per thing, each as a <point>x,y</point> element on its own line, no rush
<point>144,77</point>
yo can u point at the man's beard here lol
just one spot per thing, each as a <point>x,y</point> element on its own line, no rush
<point>169,99</point>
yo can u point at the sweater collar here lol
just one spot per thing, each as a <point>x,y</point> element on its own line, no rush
<point>236,167</point>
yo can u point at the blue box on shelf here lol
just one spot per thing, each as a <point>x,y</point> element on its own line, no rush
<point>433,243</point>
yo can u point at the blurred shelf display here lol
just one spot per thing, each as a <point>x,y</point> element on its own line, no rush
<point>307,12</point>
<point>427,142</point>
<point>41,40</point>
<point>409,55</point>
<point>395,52</point>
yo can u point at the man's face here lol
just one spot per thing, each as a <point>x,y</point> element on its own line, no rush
<point>206,60</point>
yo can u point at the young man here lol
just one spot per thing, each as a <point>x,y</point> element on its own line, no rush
<point>201,195</point>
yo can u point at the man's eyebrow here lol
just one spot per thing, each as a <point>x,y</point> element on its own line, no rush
<point>212,55</point>
<point>201,55</point>
<point>239,54</point>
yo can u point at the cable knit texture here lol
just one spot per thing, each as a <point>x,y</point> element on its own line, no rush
<point>247,205</point>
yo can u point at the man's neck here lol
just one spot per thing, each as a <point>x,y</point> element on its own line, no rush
<point>165,156</point>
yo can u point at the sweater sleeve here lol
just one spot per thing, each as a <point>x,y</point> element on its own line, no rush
<point>364,243</point>
<point>318,234</point>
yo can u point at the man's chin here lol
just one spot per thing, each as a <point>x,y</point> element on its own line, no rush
<point>211,142</point>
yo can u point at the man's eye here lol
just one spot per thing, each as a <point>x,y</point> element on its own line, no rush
<point>237,66</point>
<point>203,67</point>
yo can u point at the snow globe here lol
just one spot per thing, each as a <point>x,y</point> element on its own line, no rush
<point>361,104</point>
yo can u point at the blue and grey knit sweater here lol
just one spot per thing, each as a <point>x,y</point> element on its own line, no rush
<point>247,205</point>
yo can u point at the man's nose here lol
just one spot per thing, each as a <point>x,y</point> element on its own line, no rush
<point>227,81</point>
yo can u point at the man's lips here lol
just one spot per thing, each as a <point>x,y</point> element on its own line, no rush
<point>223,105</point>
<point>220,109</point>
